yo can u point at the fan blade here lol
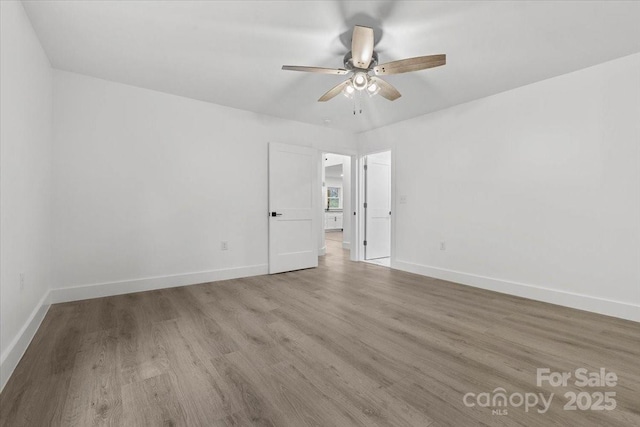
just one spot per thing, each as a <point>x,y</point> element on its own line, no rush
<point>333,91</point>
<point>338,71</point>
<point>411,64</point>
<point>386,89</point>
<point>362,46</point>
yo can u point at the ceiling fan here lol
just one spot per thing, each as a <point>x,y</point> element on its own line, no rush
<point>361,61</point>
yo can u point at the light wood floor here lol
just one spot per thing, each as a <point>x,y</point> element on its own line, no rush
<point>335,236</point>
<point>344,344</point>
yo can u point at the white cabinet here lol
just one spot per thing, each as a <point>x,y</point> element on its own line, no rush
<point>333,220</point>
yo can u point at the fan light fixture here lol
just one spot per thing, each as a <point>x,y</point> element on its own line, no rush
<point>373,89</point>
<point>362,60</point>
<point>360,80</point>
<point>348,90</point>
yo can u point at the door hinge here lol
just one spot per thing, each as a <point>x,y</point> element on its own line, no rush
<point>365,205</point>
<point>365,167</point>
<point>365,243</point>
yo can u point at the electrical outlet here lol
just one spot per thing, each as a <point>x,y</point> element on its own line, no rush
<point>224,246</point>
<point>403,199</point>
<point>21,282</point>
<point>443,246</point>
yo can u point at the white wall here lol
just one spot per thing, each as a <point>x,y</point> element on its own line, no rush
<point>25,183</point>
<point>148,184</point>
<point>536,191</point>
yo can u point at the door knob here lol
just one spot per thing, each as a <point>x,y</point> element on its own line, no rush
<point>275,214</point>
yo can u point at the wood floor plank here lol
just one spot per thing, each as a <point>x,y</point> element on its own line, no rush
<point>152,402</point>
<point>140,352</point>
<point>94,396</point>
<point>204,328</point>
<point>345,344</point>
<point>197,383</point>
<point>254,394</point>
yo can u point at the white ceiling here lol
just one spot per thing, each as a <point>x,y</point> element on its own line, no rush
<point>230,52</point>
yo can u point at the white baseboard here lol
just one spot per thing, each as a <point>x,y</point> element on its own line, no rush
<point>346,245</point>
<point>607,307</point>
<point>98,290</point>
<point>12,355</point>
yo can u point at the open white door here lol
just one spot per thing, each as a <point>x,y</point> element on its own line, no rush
<point>293,208</point>
<point>378,205</point>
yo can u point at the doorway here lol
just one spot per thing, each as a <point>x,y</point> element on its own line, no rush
<point>377,208</point>
<point>336,203</point>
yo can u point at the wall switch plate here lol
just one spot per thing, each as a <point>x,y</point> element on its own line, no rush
<point>443,246</point>
<point>224,246</point>
<point>21,282</point>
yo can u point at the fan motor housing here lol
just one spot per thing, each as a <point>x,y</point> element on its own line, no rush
<point>348,61</point>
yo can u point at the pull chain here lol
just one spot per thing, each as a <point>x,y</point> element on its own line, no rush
<point>357,102</point>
